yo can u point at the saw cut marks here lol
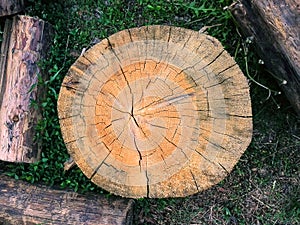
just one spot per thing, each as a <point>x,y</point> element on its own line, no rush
<point>156,111</point>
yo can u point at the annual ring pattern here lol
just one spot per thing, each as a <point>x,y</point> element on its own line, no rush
<point>156,111</point>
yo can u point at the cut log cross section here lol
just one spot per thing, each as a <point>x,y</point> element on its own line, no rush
<point>156,111</point>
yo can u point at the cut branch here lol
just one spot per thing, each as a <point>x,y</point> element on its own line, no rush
<point>274,26</point>
<point>25,42</point>
<point>22,203</point>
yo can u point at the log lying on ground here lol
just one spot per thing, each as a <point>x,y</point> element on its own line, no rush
<point>25,42</point>
<point>23,203</point>
<point>274,25</point>
<point>156,111</point>
<point>10,7</point>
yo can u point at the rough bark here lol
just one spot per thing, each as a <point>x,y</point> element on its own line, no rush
<point>23,203</point>
<point>25,42</point>
<point>274,25</point>
<point>10,7</point>
<point>155,111</point>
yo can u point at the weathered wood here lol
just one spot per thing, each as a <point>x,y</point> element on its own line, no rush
<point>274,25</point>
<point>10,7</point>
<point>155,111</point>
<point>25,42</point>
<point>23,203</point>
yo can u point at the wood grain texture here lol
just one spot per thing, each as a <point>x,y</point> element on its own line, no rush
<point>10,7</point>
<point>156,111</point>
<point>23,203</point>
<point>274,26</point>
<point>25,41</point>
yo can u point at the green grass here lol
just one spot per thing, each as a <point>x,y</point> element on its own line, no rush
<point>264,186</point>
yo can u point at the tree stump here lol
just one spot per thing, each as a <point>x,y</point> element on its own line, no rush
<point>10,7</point>
<point>23,203</point>
<point>274,26</point>
<point>156,111</point>
<point>25,42</point>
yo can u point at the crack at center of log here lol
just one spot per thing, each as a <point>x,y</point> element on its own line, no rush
<point>154,112</point>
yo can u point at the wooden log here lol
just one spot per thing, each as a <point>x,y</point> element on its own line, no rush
<point>156,111</point>
<point>274,26</point>
<point>10,7</point>
<point>23,203</point>
<point>25,41</point>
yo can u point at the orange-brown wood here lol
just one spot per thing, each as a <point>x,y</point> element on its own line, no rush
<point>156,111</point>
<point>25,42</point>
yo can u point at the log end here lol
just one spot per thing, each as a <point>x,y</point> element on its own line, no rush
<point>156,112</point>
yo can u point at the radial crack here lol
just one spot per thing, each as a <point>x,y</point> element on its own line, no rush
<point>139,152</point>
<point>102,162</point>
<point>148,181</point>
<point>194,178</point>
<point>224,168</point>
<point>204,157</point>
<point>207,65</point>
